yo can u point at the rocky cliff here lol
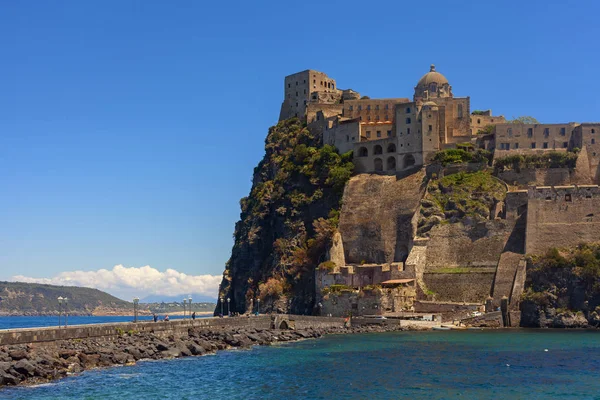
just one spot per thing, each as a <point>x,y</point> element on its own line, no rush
<point>286,223</point>
<point>563,288</point>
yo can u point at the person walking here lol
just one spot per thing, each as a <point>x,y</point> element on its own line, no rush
<point>194,315</point>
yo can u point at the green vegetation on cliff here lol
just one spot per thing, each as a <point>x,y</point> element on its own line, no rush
<point>562,287</point>
<point>287,221</point>
<point>457,156</point>
<point>32,298</point>
<point>551,159</point>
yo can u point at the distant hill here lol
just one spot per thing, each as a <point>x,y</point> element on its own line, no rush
<point>20,298</point>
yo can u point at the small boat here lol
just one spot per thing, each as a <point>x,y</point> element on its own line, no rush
<point>440,328</point>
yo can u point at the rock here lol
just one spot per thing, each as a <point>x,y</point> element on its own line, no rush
<point>569,320</point>
<point>24,367</point>
<point>67,353</point>
<point>18,354</point>
<point>8,379</point>
<point>160,346</point>
<point>195,349</point>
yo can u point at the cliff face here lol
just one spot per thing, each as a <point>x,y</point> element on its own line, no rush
<point>563,289</point>
<point>286,223</point>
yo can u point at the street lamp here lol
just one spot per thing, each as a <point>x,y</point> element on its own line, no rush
<point>257,306</point>
<point>190,304</point>
<point>184,301</point>
<point>135,306</point>
<point>228,307</point>
<point>222,306</point>
<point>66,300</point>
<point>60,302</point>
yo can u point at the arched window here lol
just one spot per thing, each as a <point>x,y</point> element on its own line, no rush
<point>433,88</point>
<point>378,164</point>
<point>363,152</point>
<point>460,111</point>
<point>408,120</point>
<point>391,163</point>
<point>377,150</point>
<point>409,160</point>
<point>391,148</point>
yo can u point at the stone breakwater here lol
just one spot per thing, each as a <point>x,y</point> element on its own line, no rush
<point>36,363</point>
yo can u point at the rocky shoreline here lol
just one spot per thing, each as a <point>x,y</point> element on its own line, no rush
<point>35,364</point>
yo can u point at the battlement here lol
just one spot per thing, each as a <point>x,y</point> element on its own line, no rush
<point>563,193</point>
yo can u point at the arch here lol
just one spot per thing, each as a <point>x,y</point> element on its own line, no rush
<point>284,325</point>
<point>391,164</point>
<point>363,152</point>
<point>378,164</point>
<point>377,150</point>
<point>391,148</point>
<point>409,160</point>
<point>433,88</point>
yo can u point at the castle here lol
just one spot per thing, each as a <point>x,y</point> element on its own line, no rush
<point>464,263</point>
<point>392,135</point>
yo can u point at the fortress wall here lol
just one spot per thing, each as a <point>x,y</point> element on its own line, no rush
<point>562,216</point>
<point>375,222</point>
<point>544,176</point>
<point>470,287</point>
<point>457,246</point>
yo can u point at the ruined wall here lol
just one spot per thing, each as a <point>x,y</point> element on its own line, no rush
<point>544,176</point>
<point>479,122</point>
<point>470,287</point>
<point>375,222</point>
<point>528,138</point>
<point>372,109</point>
<point>562,216</point>
<point>369,302</point>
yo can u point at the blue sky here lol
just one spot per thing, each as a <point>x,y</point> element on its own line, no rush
<point>129,129</point>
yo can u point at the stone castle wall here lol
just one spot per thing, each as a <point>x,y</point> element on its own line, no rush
<point>562,216</point>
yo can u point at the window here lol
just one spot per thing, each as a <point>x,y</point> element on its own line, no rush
<point>377,117</point>
<point>391,148</point>
<point>408,110</point>
<point>430,128</point>
<point>289,85</point>
<point>350,108</point>
<point>377,107</point>
<point>546,132</point>
<point>333,85</point>
<point>565,144</point>
<point>304,91</point>
<point>296,104</point>
<point>545,145</point>
<point>509,131</point>
<point>363,152</point>
<point>408,131</point>
<point>368,134</point>
<point>478,121</point>
<point>296,83</point>
<point>378,133</point>
<point>387,107</point>
<point>389,133</point>
<point>359,108</point>
<point>369,107</point>
<point>568,197</point>
<point>387,118</point>
<point>563,131</point>
<point>408,120</point>
<point>377,149</point>
<point>529,132</point>
<point>593,141</point>
<point>368,117</point>
<point>516,145</point>
<point>593,130</point>
<point>533,145</point>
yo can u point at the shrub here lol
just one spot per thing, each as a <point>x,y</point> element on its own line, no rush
<point>551,159</point>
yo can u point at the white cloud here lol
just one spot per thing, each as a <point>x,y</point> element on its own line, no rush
<point>126,282</point>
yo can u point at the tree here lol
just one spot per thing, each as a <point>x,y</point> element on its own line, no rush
<point>524,119</point>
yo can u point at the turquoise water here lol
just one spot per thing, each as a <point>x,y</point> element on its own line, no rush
<point>415,365</point>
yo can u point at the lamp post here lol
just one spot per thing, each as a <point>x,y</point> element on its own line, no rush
<point>184,301</point>
<point>222,306</point>
<point>135,306</point>
<point>228,307</point>
<point>190,304</point>
<point>257,306</point>
<point>66,300</point>
<point>60,302</point>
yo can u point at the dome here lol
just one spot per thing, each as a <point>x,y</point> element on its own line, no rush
<point>432,77</point>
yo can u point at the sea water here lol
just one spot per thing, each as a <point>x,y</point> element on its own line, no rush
<point>507,364</point>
